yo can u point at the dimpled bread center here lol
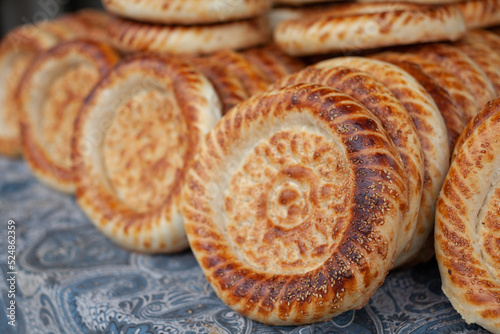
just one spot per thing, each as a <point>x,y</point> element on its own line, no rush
<point>59,110</point>
<point>286,205</point>
<point>144,149</point>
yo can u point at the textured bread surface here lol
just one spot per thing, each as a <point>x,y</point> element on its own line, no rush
<point>273,62</point>
<point>292,206</point>
<point>432,133</point>
<point>358,26</point>
<point>229,86</point>
<point>468,223</point>
<point>134,139</point>
<point>50,95</point>
<point>461,96</point>
<point>253,78</point>
<point>480,13</point>
<point>396,121</point>
<point>464,68</point>
<point>187,11</point>
<point>18,49</point>
<point>131,36</point>
<point>452,115</point>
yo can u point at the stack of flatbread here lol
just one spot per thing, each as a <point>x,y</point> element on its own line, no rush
<point>178,124</point>
<point>188,26</point>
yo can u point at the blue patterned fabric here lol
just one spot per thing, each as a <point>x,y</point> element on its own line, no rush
<point>71,279</point>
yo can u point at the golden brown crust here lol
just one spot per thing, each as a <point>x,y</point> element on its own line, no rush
<point>471,127</point>
<point>50,94</point>
<point>299,2</point>
<point>451,115</point>
<point>480,13</point>
<point>273,62</point>
<point>134,139</point>
<point>96,24</point>
<point>422,2</point>
<point>289,208</point>
<point>187,11</point>
<point>358,26</point>
<point>432,133</point>
<point>484,56</point>
<point>130,36</point>
<point>251,76</point>
<point>17,50</point>
<point>228,85</point>
<point>467,224</point>
<point>462,66</point>
<point>396,121</point>
<point>459,93</point>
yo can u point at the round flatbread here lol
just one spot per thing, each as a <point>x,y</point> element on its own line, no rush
<point>129,36</point>
<point>432,133</point>
<point>18,49</point>
<point>300,2</point>
<point>423,2</point>
<point>273,62</point>
<point>484,56</point>
<point>453,119</point>
<point>396,121</point>
<point>359,26</point>
<point>289,208</point>
<point>229,87</point>
<point>459,93</point>
<point>134,139</point>
<point>187,11</point>
<point>464,68</point>
<point>50,95</point>
<point>480,13</point>
<point>467,224</point>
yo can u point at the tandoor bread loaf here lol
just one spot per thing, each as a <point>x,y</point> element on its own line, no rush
<point>50,96</point>
<point>480,13</point>
<point>464,68</point>
<point>461,96</point>
<point>187,11</point>
<point>130,36</point>
<point>292,207</point>
<point>396,121</point>
<point>273,62</point>
<point>468,223</point>
<point>452,116</point>
<point>134,138</point>
<point>432,133</point>
<point>484,56</point>
<point>355,26</point>
<point>18,49</point>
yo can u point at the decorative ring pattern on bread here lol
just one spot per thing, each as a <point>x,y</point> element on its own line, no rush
<point>50,96</point>
<point>131,36</point>
<point>396,121</point>
<point>292,206</point>
<point>362,26</point>
<point>467,223</point>
<point>18,50</point>
<point>432,133</point>
<point>459,93</point>
<point>480,13</point>
<point>187,12</point>
<point>134,139</point>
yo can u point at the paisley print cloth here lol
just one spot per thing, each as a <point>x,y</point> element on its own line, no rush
<point>71,279</point>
